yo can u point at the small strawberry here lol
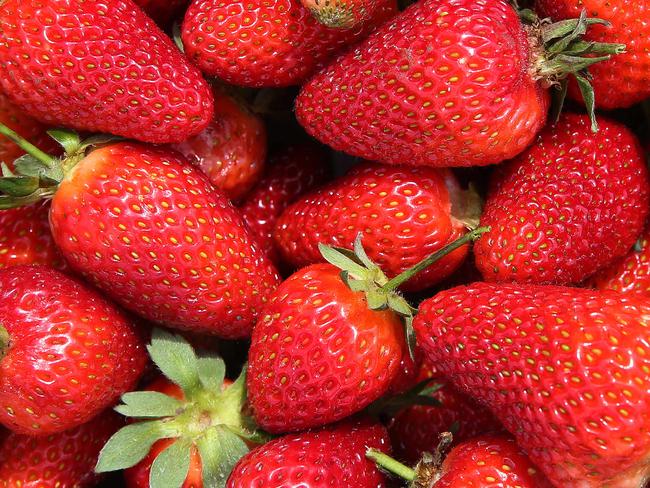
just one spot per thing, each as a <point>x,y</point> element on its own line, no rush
<point>100,66</point>
<point>258,44</point>
<point>25,238</point>
<point>66,353</point>
<point>62,460</point>
<point>292,171</point>
<point>342,14</point>
<point>163,11</point>
<point>565,370</point>
<point>405,214</point>
<point>625,79</point>
<point>445,83</point>
<point>333,456</point>
<point>631,274</point>
<point>149,230</point>
<point>572,203</point>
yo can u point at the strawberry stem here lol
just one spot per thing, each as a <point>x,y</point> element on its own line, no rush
<point>27,146</point>
<point>403,277</point>
<point>391,465</point>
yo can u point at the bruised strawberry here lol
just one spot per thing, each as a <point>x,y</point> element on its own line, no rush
<point>66,353</point>
<point>100,66</point>
<point>163,11</point>
<point>574,202</point>
<point>564,369</point>
<point>341,14</point>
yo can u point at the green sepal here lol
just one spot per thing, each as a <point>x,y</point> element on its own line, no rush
<point>6,171</point>
<point>68,139</point>
<point>98,140</point>
<point>220,450</point>
<point>420,394</point>
<point>411,338</point>
<point>170,468</point>
<point>587,92</point>
<point>148,404</point>
<point>176,359</point>
<point>30,166</point>
<point>177,37</point>
<point>558,94</point>
<point>342,261</point>
<point>638,245</point>
<point>18,186</point>
<point>212,371</point>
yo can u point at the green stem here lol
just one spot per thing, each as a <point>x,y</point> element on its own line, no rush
<point>4,342</point>
<point>391,465</point>
<point>422,265</point>
<point>27,146</point>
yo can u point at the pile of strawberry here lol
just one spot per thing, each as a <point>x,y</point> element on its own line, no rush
<point>336,243</point>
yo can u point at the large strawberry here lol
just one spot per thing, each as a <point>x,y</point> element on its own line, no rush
<point>163,11</point>
<point>100,65</point>
<point>445,83</point>
<point>275,43</point>
<point>148,229</point>
<point>566,370</point>
<point>574,202</point>
<point>624,80</point>
<point>66,353</point>
<point>404,214</point>
<point>231,150</point>
<point>62,460</point>
<point>333,456</point>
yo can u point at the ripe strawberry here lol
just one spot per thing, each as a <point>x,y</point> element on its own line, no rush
<point>333,456</point>
<point>100,66</point>
<point>341,14</point>
<point>623,80</point>
<point>65,460</point>
<point>277,43</point>
<point>150,231</point>
<point>66,353</point>
<point>292,171</point>
<point>405,214</point>
<point>632,273</point>
<point>574,202</point>
<point>445,83</point>
<point>163,11</point>
<point>25,238</point>
<point>231,150</point>
<point>564,369</point>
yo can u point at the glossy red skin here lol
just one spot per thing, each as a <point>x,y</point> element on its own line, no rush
<point>291,172</point>
<point>623,80</point>
<point>71,353</point>
<point>565,370</point>
<point>330,457</point>
<point>571,204</point>
<point>404,215</point>
<point>490,462</point>
<point>149,230</point>
<point>100,66</point>
<point>231,150</point>
<point>25,238</point>
<point>419,92</point>
<point>163,11</point>
<point>318,353</point>
<point>62,460</point>
<point>265,44</point>
<point>631,274</point>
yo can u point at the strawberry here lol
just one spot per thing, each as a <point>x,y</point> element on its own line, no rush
<point>66,352</point>
<point>564,369</point>
<point>25,238</point>
<point>341,14</point>
<point>277,43</point>
<point>445,83</point>
<point>623,80</point>
<point>163,11</point>
<point>150,231</point>
<point>292,171</point>
<point>56,460</point>
<point>631,274</point>
<point>405,214</point>
<point>231,150</point>
<point>333,456</point>
<point>572,203</point>
<point>100,66</point>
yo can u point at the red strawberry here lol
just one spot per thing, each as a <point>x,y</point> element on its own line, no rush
<point>62,460</point>
<point>276,43</point>
<point>163,11</point>
<point>405,214</point>
<point>292,171</point>
<point>632,273</point>
<point>574,202</point>
<point>333,456</point>
<point>150,231</point>
<point>231,150</point>
<point>566,370</point>
<point>445,83</point>
<point>66,352</point>
<point>25,238</point>
<point>624,80</point>
<point>100,66</point>
<point>341,14</point>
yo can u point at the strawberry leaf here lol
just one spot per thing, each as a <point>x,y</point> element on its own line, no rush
<point>176,360</point>
<point>18,186</point>
<point>220,449</point>
<point>170,468</point>
<point>212,371</point>
<point>152,404</point>
<point>69,139</point>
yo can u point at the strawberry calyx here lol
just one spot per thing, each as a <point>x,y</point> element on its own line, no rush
<point>559,50</point>
<point>212,417</point>
<point>333,15</point>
